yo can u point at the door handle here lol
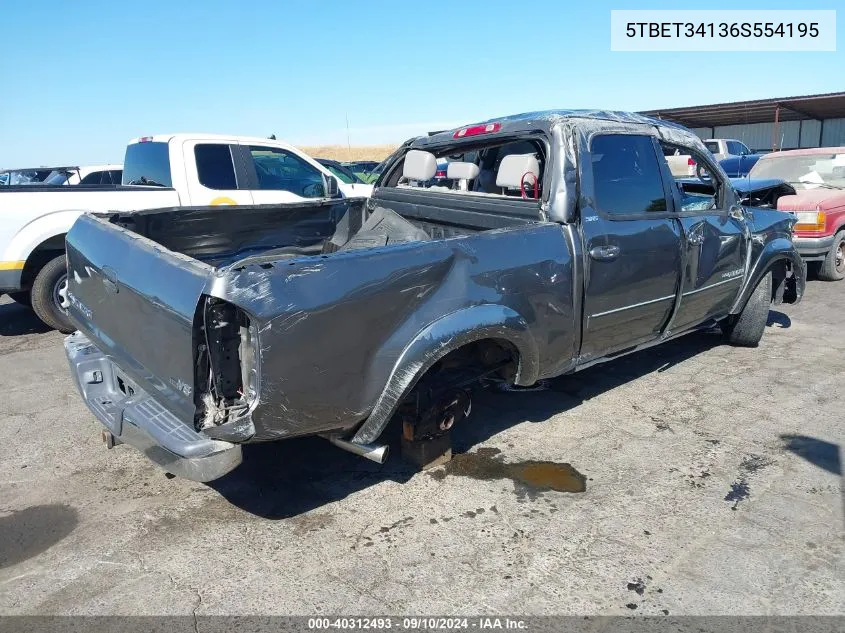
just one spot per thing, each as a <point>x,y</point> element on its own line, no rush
<point>604,253</point>
<point>695,239</point>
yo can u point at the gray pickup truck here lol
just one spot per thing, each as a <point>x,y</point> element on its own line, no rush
<point>557,240</point>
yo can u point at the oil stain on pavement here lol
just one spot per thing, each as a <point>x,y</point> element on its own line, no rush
<point>529,477</point>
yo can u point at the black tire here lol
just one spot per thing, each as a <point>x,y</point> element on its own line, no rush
<point>746,328</point>
<point>833,266</point>
<point>46,300</point>
<point>21,297</point>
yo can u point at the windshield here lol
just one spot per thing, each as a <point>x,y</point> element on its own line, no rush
<point>808,171</point>
<point>57,177</point>
<point>24,177</point>
<point>343,174</point>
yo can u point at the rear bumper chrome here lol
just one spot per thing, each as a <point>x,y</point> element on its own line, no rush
<point>137,419</point>
<point>812,246</point>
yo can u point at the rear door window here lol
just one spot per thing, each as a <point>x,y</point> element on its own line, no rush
<point>277,169</point>
<point>215,168</point>
<point>147,164</point>
<point>626,175</point>
<point>712,147</point>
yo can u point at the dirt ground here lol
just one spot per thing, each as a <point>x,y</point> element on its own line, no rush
<point>711,477</point>
<point>344,153</point>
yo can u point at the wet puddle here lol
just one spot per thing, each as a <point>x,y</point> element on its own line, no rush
<point>528,476</point>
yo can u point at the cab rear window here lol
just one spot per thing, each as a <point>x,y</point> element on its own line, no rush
<point>147,164</point>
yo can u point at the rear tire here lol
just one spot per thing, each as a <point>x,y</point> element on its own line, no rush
<point>49,295</point>
<point>746,328</point>
<point>833,266</point>
<point>21,297</point>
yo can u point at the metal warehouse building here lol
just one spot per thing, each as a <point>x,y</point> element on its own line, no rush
<point>768,124</point>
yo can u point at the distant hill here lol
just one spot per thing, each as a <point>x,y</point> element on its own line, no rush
<point>344,153</point>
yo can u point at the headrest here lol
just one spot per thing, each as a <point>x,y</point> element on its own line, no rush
<point>513,167</point>
<point>461,171</point>
<point>419,165</point>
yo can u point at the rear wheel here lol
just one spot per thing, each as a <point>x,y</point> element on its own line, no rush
<point>746,328</point>
<point>49,295</point>
<point>21,297</point>
<point>833,266</point>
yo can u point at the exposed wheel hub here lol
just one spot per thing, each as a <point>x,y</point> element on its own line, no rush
<point>60,297</point>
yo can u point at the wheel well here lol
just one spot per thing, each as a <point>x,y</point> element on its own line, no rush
<point>41,254</point>
<point>496,358</point>
<point>784,288</point>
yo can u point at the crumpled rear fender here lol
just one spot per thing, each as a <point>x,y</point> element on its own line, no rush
<point>779,249</point>
<point>487,321</point>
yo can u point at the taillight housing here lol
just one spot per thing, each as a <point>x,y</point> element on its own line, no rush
<point>691,161</point>
<point>810,221</point>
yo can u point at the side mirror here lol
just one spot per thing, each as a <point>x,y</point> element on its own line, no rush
<point>331,187</point>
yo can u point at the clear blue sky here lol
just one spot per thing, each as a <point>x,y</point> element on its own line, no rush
<point>79,79</point>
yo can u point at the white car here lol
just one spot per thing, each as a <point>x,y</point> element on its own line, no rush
<point>167,170</point>
<point>54,176</point>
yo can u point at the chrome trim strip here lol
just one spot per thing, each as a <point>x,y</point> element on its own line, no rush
<point>718,283</point>
<point>630,307</point>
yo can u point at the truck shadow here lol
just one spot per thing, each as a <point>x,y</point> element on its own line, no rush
<point>820,453</point>
<point>279,480</point>
<point>17,320</point>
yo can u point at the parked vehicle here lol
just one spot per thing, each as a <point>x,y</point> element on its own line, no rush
<point>567,243</point>
<point>159,171</point>
<point>350,183</point>
<point>818,176</point>
<point>364,169</point>
<point>86,175</point>
<point>34,175</point>
<point>97,175</point>
<point>733,156</point>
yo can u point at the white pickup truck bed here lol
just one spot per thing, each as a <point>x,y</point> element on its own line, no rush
<point>159,171</point>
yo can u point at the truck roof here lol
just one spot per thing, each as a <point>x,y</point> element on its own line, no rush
<point>230,138</point>
<point>547,119</point>
<point>42,168</point>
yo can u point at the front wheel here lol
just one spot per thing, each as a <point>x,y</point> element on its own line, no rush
<point>746,328</point>
<point>49,295</point>
<point>833,266</point>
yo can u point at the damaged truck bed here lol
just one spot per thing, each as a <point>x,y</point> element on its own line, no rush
<point>558,240</point>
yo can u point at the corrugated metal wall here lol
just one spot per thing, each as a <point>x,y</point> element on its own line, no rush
<point>834,132</point>
<point>759,136</point>
<point>810,133</point>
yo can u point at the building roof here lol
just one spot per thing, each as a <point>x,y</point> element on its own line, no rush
<point>822,106</point>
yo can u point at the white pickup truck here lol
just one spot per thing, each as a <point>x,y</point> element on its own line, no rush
<point>733,156</point>
<point>158,171</point>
